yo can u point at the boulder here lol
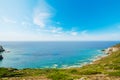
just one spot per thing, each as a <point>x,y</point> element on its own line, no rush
<point>1,49</point>
<point>1,57</point>
<point>103,50</point>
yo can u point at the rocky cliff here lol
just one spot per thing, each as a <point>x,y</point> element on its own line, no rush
<point>112,49</point>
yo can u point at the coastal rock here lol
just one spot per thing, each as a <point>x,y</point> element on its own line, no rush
<point>108,51</point>
<point>1,49</point>
<point>103,50</point>
<point>111,50</point>
<point>1,57</point>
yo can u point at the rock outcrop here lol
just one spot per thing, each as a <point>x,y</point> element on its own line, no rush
<point>1,49</point>
<point>111,49</point>
<point>1,57</point>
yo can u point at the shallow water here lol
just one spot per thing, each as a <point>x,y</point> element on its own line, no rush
<point>52,54</point>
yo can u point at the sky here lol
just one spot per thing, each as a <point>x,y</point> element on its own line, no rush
<point>59,20</point>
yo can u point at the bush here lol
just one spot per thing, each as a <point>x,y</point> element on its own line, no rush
<point>9,72</point>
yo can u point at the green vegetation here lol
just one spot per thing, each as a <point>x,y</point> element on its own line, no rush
<point>9,72</point>
<point>109,66</point>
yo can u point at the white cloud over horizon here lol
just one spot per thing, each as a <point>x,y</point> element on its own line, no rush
<point>8,20</point>
<point>17,36</point>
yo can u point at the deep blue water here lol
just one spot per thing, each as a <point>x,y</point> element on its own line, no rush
<point>52,54</point>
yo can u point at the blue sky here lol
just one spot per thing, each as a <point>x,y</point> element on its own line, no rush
<point>59,20</point>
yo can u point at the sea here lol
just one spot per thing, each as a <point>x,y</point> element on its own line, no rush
<point>52,54</point>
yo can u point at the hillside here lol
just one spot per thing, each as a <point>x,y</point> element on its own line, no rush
<point>107,68</point>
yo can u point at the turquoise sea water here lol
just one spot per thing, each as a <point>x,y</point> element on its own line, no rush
<point>51,54</point>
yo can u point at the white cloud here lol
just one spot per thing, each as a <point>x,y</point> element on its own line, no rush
<point>8,20</point>
<point>42,14</point>
<point>74,33</point>
<point>0,21</point>
<point>56,30</point>
<point>26,23</point>
<point>84,32</point>
<point>18,36</point>
<point>41,19</point>
<point>23,23</point>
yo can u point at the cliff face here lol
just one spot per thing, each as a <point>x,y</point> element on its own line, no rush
<point>1,49</point>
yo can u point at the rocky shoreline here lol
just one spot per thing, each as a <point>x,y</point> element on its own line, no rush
<point>108,52</point>
<point>107,68</point>
<point>1,50</point>
<point>111,49</point>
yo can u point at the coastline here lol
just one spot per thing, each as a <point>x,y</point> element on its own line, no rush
<point>99,58</point>
<point>60,56</point>
<point>108,51</point>
<point>91,61</point>
<point>104,68</point>
<point>105,53</point>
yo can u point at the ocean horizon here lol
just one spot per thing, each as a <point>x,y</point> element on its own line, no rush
<point>52,54</point>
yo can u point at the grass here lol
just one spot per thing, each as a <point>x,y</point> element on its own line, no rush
<point>109,65</point>
<point>9,72</point>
